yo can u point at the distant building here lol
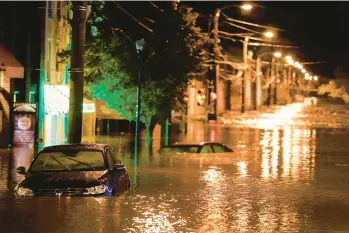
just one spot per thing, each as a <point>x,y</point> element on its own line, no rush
<point>10,69</point>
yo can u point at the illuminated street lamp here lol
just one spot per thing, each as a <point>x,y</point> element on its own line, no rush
<point>277,54</point>
<point>288,58</point>
<point>269,34</point>
<point>304,71</point>
<point>246,7</point>
<point>315,78</point>
<point>291,62</point>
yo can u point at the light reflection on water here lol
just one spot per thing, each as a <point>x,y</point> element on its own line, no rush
<point>277,180</point>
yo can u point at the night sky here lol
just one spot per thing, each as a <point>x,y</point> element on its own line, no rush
<point>319,29</point>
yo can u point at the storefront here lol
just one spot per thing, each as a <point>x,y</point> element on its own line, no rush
<point>56,99</point>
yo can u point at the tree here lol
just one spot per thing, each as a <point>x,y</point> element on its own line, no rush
<point>338,87</point>
<point>171,58</point>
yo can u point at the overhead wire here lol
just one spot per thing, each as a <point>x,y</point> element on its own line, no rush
<point>251,24</point>
<point>134,18</point>
<point>154,5</point>
<point>241,27</point>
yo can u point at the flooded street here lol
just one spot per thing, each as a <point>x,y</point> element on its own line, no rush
<point>289,173</point>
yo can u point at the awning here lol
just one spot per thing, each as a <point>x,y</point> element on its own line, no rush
<point>10,64</point>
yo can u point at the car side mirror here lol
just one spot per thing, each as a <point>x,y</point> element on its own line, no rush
<point>119,167</point>
<point>21,170</point>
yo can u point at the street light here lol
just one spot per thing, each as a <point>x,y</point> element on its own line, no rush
<point>246,7</point>
<point>315,78</point>
<point>277,54</point>
<point>269,34</point>
<point>139,46</point>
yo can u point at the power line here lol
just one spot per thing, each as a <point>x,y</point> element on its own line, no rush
<point>156,6</point>
<point>130,15</point>
<point>251,24</point>
<point>241,27</point>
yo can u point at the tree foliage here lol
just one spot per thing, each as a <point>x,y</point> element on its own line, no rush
<point>170,59</point>
<point>338,87</point>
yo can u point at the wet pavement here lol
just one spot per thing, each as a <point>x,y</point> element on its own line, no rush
<point>289,173</point>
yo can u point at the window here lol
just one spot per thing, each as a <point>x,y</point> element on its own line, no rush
<point>116,158</point>
<point>206,149</point>
<point>1,79</point>
<point>220,148</point>
<point>111,160</point>
<point>69,161</point>
<point>50,8</point>
<point>15,93</point>
<point>49,54</point>
<point>32,97</point>
<point>59,9</point>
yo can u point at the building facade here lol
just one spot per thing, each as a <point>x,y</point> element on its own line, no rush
<point>54,77</point>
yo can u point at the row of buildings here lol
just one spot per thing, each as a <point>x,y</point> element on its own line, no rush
<point>33,74</point>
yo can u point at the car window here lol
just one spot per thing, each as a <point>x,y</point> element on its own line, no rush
<point>116,158</point>
<point>206,149</point>
<point>111,160</point>
<point>220,148</point>
<point>69,160</point>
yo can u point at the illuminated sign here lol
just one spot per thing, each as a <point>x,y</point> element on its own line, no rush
<point>57,100</point>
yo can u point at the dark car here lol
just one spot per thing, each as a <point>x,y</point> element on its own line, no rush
<point>75,169</point>
<point>203,147</point>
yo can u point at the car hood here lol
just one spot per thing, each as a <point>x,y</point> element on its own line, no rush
<point>69,179</point>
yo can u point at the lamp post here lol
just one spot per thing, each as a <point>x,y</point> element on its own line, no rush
<point>139,46</point>
<point>218,101</point>
<point>258,78</point>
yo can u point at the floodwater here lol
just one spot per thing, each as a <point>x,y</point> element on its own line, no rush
<point>289,173</point>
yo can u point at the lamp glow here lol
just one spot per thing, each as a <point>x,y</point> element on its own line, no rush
<point>277,54</point>
<point>247,7</point>
<point>269,34</point>
<point>304,71</point>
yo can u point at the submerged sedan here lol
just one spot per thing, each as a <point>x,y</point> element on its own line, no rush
<point>203,147</point>
<point>76,169</point>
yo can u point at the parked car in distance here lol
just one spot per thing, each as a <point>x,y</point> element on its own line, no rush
<point>74,169</point>
<point>202,147</point>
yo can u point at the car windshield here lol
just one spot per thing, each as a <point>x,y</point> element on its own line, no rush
<point>180,149</point>
<point>69,161</point>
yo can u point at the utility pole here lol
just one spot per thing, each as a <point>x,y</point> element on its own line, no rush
<point>215,49</point>
<point>28,71</point>
<point>77,72</point>
<point>276,83</point>
<point>289,82</point>
<point>258,84</point>
<point>212,75</point>
<point>270,84</point>
<point>243,81</point>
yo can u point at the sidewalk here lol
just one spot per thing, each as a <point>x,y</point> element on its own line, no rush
<point>236,116</point>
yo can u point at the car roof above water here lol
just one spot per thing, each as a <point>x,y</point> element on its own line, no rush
<point>76,146</point>
<point>177,144</point>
